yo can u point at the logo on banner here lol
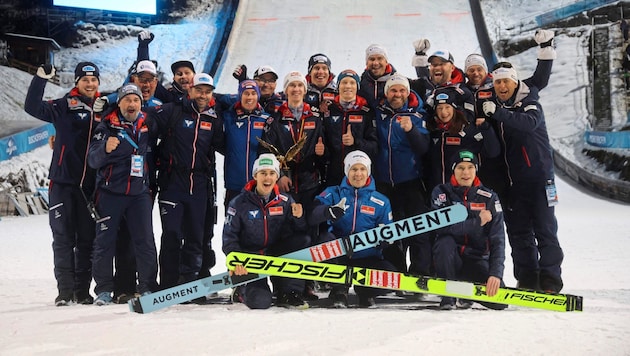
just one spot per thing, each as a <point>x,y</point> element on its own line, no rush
<point>11,147</point>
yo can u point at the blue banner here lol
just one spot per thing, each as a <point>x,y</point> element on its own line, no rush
<point>25,141</point>
<point>569,10</point>
<point>619,139</point>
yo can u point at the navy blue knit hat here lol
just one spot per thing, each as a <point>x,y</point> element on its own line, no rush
<point>247,84</point>
<point>349,73</point>
<point>465,156</point>
<point>318,58</point>
<point>84,69</point>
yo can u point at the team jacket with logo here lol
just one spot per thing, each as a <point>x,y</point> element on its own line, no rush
<point>253,226</point>
<point>74,126</point>
<point>114,169</point>
<point>365,209</point>
<point>474,240</point>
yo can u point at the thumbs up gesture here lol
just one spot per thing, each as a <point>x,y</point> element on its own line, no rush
<point>347,139</point>
<point>319,147</point>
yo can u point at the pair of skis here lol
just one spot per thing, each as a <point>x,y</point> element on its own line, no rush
<point>344,246</point>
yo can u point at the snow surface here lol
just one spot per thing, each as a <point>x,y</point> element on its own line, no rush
<point>593,231</point>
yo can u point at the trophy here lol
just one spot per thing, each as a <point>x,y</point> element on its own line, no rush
<point>289,156</point>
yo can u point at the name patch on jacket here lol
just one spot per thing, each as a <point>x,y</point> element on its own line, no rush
<point>259,125</point>
<point>366,209</point>
<point>477,206</point>
<point>204,125</point>
<point>454,141</point>
<point>309,125</point>
<point>328,96</point>
<point>276,210</point>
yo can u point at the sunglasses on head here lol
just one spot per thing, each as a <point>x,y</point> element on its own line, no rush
<point>502,65</point>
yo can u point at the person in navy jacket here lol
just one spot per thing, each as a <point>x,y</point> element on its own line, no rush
<point>243,124</point>
<point>322,87</point>
<point>348,126</point>
<point>262,220</point>
<point>531,196</point>
<point>474,249</point>
<point>350,207</point>
<point>71,179</point>
<point>119,152</point>
<point>191,131</point>
<point>403,143</point>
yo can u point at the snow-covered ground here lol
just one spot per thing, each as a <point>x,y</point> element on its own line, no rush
<point>593,231</point>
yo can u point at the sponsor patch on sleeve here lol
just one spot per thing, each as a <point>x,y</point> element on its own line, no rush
<point>484,193</point>
<point>231,211</point>
<point>377,201</point>
<point>530,107</point>
<point>498,207</point>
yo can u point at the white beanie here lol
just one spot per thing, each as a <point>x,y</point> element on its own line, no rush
<point>375,49</point>
<point>475,60</point>
<point>355,157</point>
<point>266,161</point>
<point>505,73</point>
<point>294,76</point>
<point>396,79</point>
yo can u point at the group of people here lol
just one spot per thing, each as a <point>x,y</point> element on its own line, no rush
<point>327,156</point>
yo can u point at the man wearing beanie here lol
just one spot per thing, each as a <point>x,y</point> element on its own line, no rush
<point>191,131</point>
<point>350,207</point>
<point>377,71</point>
<point>472,250</point>
<point>349,126</point>
<point>403,142</point>
<point>262,220</point>
<point>244,122</point>
<point>321,88</point>
<point>121,141</point>
<point>531,223</point>
<point>183,72</point>
<point>71,179</point>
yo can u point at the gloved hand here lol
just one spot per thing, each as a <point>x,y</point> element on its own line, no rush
<point>489,107</point>
<point>145,37</point>
<point>100,104</point>
<point>240,72</point>
<point>420,59</point>
<point>46,71</point>
<point>545,39</point>
<point>421,45</point>
<point>335,212</point>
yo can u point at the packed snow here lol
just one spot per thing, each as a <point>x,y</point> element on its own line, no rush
<point>593,231</point>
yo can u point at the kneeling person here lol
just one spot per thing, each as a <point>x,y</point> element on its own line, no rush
<point>261,220</point>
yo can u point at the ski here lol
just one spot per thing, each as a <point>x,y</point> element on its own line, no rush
<point>345,246</point>
<point>333,273</point>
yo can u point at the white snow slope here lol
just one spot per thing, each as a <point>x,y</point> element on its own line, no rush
<point>593,231</point>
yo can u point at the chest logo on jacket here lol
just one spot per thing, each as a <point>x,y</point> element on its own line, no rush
<point>239,124</point>
<point>253,214</point>
<point>188,123</point>
<point>82,116</point>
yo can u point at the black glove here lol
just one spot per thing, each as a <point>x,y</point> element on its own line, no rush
<point>46,71</point>
<point>335,212</point>
<point>240,72</point>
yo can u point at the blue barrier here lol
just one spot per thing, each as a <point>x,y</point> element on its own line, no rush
<point>25,141</point>
<point>618,139</point>
<point>569,10</point>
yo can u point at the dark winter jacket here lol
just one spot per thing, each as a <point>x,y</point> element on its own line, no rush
<point>316,96</point>
<point>241,145</point>
<point>283,130</point>
<point>189,139</point>
<point>365,209</point>
<point>473,240</point>
<point>254,226</point>
<point>477,139</point>
<point>528,153</point>
<point>360,117</point>
<point>465,99</point>
<point>74,124</point>
<point>400,153</point>
<point>114,169</point>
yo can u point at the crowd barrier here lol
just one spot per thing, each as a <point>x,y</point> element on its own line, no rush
<point>25,141</point>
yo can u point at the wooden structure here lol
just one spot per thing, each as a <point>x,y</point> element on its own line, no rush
<point>29,52</point>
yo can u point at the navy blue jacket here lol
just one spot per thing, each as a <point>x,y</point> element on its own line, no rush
<point>283,130</point>
<point>472,239</point>
<point>316,96</point>
<point>365,209</point>
<point>528,153</point>
<point>360,117</point>
<point>253,226</point>
<point>114,168</point>
<point>241,146</point>
<point>189,139</point>
<point>74,124</point>
<point>400,153</point>
<point>465,99</point>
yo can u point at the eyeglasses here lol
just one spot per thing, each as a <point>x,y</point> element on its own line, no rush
<point>502,65</point>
